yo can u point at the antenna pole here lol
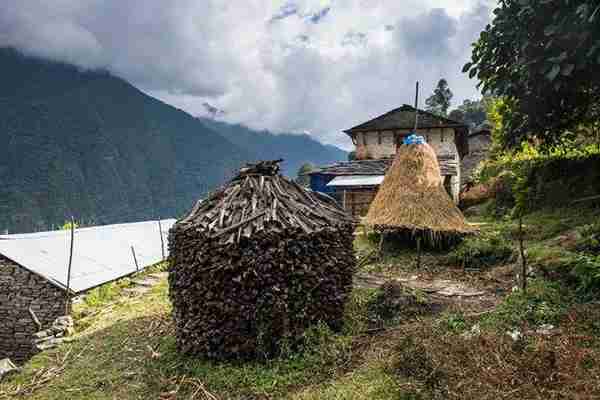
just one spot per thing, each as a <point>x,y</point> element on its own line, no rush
<point>417,107</point>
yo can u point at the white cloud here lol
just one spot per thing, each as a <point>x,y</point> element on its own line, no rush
<point>308,65</point>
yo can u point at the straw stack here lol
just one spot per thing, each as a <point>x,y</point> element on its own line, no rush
<point>412,198</point>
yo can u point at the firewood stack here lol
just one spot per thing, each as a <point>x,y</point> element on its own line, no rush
<point>256,264</point>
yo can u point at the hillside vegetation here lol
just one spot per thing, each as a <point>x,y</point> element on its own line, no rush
<point>91,145</point>
<point>542,343</point>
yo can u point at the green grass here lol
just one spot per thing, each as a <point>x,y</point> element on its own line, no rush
<point>125,349</point>
<point>128,351</point>
<point>542,303</point>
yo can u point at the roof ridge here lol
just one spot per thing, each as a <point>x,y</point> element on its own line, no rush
<point>405,108</point>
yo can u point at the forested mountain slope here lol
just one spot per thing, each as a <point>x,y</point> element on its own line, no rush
<point>91,145</point>
<point>293,148</point>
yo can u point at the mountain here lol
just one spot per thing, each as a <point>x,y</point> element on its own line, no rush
<point>295,149</point>
<point>90,145</point>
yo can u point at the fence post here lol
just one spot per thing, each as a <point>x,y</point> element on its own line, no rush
<point>137,267</point>
<point>68,296</point>
<point>162,241</point>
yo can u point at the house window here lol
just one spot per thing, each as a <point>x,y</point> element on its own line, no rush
<point>378,137</point>
<point>442,138</point>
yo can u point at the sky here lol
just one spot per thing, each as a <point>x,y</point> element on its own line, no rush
<point>302,66</point>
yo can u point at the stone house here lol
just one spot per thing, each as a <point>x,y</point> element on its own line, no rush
<point>25,297</point>
<point>34,274</point>
<point>480,141</point>
<point>376,141</point>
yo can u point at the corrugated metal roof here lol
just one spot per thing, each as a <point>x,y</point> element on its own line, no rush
<point>356,180</point>
<point>448,166</point>
<point>101,254</point>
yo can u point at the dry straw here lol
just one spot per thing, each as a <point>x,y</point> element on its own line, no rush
<point>412,198</point>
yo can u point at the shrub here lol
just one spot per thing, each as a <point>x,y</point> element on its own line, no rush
<point>590,238</point>
<point>412,359</point>
<point>395,302</point>
<point>587,272</point>
<point>542,303</point>
<point>481,251</point>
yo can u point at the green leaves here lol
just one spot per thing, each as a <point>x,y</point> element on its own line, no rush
<point>467,67</point>
<point>543,55</point>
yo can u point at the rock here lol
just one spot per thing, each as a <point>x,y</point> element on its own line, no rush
<point>64,321</point>
<point>40,335</point>
<point>545,329</point>
<point>7,367</point>
<point>476,210</point>
<point>50,344</point>
<point>473,332</point>
<point>515,335</point>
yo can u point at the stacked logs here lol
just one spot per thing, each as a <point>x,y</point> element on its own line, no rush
<point>256,264</point>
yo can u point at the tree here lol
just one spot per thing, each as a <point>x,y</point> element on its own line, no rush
<point>542,57</point>
<point>352,156</point>
<point>474,112</point>
<point>439,102</point>
<point>303,178</point>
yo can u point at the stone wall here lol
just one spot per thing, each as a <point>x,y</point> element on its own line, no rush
<point>21,290</point>
<point>479,147</point>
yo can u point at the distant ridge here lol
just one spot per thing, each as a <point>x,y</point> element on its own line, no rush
<point>295,149</point>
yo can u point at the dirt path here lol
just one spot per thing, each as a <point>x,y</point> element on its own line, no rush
<point>445,290</point>
<point>140,286</point>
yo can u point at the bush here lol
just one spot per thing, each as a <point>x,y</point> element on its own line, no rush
<point>481,251</point>
<point>412,359</point>
<point>395,302</point>
<point>542,303</point>
<point>549,179</point>
<point>587,273</point>
<point>590,239</point>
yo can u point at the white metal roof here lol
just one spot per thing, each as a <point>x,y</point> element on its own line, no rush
<point>101,254</point>
<point>356,180</point>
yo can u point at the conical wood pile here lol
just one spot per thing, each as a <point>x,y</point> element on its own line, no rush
<point>412,198</point>
<point>259,261</point>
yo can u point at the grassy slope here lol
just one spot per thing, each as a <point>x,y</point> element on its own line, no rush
<point>127,350</point>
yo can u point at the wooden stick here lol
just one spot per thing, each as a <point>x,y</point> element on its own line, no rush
<point>418,252</point>
<point>162,241</point>
<point>68,295</point>
<point>235,226</point>
<point>35,319</point>
<point>137,267</point>
<point>523,258</point>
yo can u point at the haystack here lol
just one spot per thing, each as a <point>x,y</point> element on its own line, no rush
<point>256,264</point>
<point>412,199</point>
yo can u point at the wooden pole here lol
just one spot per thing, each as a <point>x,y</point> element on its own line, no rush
<point>418,252</point>
<point>137,267</point>
<point>417,107</point>
<point>523,258</point>
<point>162,241</point>
<point>68,295</point>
